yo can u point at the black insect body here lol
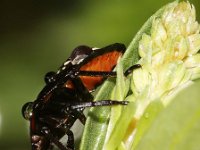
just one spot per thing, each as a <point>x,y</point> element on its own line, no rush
<point>68,92</point>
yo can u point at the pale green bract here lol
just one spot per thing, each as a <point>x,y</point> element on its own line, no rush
<point>168,46</point>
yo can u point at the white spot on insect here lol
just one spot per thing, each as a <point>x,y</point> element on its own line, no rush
<point>63,68</point>
<point>67,62</point>
<point>58,72</point>
<point>78,59</point>
<point>94,48</point>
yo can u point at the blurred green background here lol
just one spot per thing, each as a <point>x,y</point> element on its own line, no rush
<point>37,36</point>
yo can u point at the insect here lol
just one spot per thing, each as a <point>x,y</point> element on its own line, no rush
<point>68,92</point>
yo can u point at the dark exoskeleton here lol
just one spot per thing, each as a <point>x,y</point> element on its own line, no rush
<point>68,92</point>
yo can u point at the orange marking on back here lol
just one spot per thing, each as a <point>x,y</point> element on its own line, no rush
<point>47,97</point>
<point>104,62</point>
<point>69,84</point>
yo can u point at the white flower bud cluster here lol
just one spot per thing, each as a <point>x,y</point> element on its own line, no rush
<point>169,55</point>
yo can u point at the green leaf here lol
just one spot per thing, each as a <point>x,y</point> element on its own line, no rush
<point>97,122</point>
<point>177,126</point>
<point>119,92</point>
<point>146,120</point>
<point>121,127</point>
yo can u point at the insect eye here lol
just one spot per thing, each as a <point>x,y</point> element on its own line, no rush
<point>27,110</point>
<point>49,77</point>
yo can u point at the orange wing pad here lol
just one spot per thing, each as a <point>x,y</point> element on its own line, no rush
<point>104,62</point>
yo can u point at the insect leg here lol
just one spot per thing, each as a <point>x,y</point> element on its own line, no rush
<point>70,141</point>
<point>108,74</point>
<point>79,115</point>
<point>98,103</point>
<point>64,109</point>
<point>130,69</point>
<point>82,90</point>
<point>48,134</point>
<point>77,108</point>
<point>62,124</point>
